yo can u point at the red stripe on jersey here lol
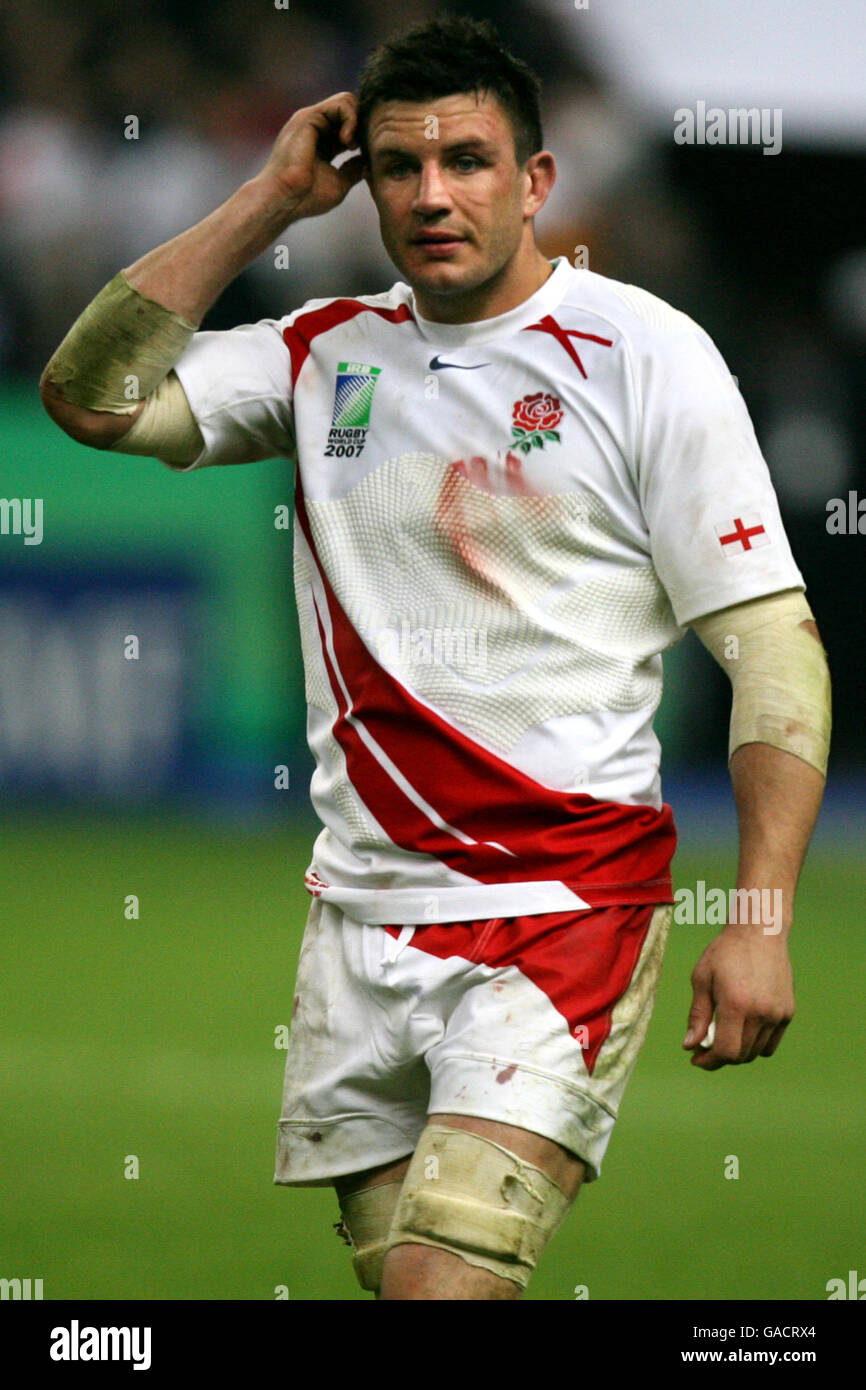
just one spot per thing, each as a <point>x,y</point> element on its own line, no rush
<point>562,335</point>
<point>299,335</point>
<point>406,824</point>
<point>582,961</point>
<point>607,852</point>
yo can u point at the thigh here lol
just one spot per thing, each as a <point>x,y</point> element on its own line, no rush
<point>566,1169</point>
<point>490,1218</point>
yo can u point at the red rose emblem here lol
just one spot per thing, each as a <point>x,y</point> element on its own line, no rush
<point>537,412</point>
<point>534,419</point>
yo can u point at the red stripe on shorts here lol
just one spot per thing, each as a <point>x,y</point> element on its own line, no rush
<point>582,961</point>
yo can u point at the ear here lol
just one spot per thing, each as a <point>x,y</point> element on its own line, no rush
<point>540,174</point>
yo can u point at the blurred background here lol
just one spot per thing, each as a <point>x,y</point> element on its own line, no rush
<point>152,870</point>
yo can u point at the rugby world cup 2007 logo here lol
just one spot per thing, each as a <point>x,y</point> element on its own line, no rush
<point>353,400</point>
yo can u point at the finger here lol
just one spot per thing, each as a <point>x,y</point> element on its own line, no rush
<point>702,1048</point>
<point>331,117</point>
<point>328,142</point>
<point>342,140</point>
<point>763,1034</point>
<point>753,1032</point>
<point>345,100</point>
<point>727,1045</point>
<point>705,1055</point>
<point>347,129</point>
<point>711,1060</point>
<point>707,1060</point>
<point>340,111</point>
<point>700,1015</point>
<point>775,1038</point>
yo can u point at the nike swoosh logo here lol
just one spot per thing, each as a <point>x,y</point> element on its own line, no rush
<point>437,365</point>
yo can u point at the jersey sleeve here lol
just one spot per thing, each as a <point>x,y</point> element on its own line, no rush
<point>239,387</point>
<point>716,532</point>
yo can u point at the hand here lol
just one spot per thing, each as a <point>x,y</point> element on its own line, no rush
<point>746,977</point>
<point>299,168</point>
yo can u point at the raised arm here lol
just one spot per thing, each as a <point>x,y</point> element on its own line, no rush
<point>115,362</point>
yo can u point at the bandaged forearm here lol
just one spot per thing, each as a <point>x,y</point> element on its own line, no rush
<point>778,674</point>
<point>118,351</point>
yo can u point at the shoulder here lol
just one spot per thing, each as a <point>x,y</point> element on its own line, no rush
<point>644,319</point>
<point>672,361</point>
<point>340,308</point>
<point>316,317</point>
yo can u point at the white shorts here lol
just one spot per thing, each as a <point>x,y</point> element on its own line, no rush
<point>533,1021</point>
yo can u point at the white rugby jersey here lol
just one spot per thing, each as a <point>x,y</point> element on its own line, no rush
<point>499,527</point>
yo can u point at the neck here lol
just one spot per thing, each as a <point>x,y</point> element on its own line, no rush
<point>517,281</point>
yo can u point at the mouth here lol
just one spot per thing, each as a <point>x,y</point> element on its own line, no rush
<point>438,243</point>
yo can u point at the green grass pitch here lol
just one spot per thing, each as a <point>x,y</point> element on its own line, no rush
<point>154,1039</point>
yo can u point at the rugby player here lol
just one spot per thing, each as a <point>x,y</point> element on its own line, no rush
<point>517,483</point>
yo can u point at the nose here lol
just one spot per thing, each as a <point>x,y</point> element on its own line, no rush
<point>432,193</point>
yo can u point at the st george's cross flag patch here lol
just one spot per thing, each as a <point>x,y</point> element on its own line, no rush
<point>746,532</point>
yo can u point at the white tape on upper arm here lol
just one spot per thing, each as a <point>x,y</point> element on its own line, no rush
<point>166,429</point>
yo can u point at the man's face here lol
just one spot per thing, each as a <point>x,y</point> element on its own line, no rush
<point>451,198</point>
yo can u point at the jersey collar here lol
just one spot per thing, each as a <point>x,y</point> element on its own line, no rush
<point>483,330</point>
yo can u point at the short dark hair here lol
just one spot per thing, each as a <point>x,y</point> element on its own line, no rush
<point>445,56</point>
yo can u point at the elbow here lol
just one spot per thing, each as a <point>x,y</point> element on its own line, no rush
<point>97,429</point>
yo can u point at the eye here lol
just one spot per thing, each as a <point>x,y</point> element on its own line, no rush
<point>467,162</point>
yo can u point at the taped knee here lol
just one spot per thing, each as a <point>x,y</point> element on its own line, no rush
<point>477,1199</point>
<point>366,1220</point>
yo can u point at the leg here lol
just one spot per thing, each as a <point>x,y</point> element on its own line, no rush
<point>371,1177</point>
<point>417,1271</point>
<point>551,972</point>
<point>367,1202</point>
